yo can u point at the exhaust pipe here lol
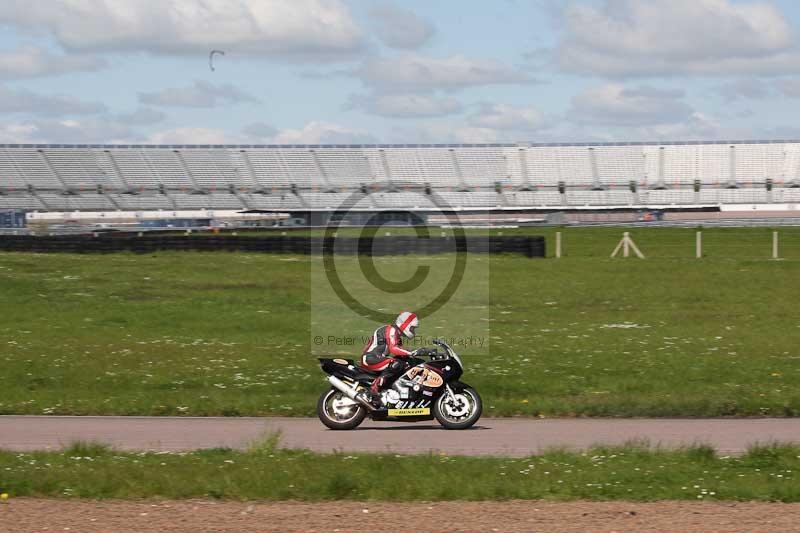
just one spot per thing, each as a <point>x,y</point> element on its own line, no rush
<point>350,392</point>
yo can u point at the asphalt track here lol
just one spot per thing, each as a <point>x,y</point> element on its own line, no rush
<point>491,436</point>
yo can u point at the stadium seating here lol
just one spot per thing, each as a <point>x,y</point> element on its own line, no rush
<point>21,202</point>
<point>33,168</point>
<point>477,176</point>
<point>142,202</point>
<point>343,167</point>
<point>671,197</point>
<point>92,202</point>
<point>335,200</point>
<point>208,170</point>
<point>539,198</point>
<point>275,201</point>
<point>786,196</point>
<point>619,165</point>
<point>397,200</point>
<point>479,166</point>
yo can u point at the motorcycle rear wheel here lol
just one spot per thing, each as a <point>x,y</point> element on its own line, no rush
<point>463,413</point>
<point>339,418</point>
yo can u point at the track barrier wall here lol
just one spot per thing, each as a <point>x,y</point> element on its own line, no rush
<point>529,246</point>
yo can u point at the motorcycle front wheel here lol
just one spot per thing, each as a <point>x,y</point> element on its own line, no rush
<point>459,412</point>
<point>337,411</point>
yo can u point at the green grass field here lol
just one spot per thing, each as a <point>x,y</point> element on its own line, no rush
<point>633,472</point>
<point>585,335</point>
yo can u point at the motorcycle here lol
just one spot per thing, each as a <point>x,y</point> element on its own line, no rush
<point>426,391</point>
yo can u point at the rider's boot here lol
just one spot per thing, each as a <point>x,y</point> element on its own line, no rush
<point>371,398</point>
<point>376,400</point>
<point>373,395</point>
<point>375,392</point>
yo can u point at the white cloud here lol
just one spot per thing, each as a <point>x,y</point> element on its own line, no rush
<point>415,73</point>
<point>315,132</point>
<point>193,135</point>
<point>698,126</point>
<point>472,134</point>
<point>200,94</point>
<point>259,130</point>
<point>114,129</point>
<point>629,38</point>
<point>507,117</point>
<point>141,117</point>
<point>400,28</point>
<point>445,131</point>
<point>404,105</point>
<point>83,130</point>
<point>744,88</point>
<point>32,62</point>
<point>25,101</point>
<point>789,87</point>
<point>17,133</point>
<point>318,132</point>
<point>314,29</point>
<point>488,123</point>
<point>259,133</point>
<point>757,89</point>
<point>781,132</point>
<point>617,105</point>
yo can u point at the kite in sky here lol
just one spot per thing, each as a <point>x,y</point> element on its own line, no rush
<point>211,58</point>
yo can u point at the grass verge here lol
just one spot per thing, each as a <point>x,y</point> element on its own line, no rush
<point>228,334</point>
<point>633,472</point>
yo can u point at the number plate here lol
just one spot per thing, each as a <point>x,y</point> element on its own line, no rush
<point>420,411</point>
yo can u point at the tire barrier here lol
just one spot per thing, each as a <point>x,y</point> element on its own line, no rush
<point>529,246</point>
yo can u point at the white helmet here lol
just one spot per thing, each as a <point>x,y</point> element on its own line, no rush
<point>407,323</point>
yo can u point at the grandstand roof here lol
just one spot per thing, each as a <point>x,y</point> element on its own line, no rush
<point>306,177</point>
<point>521,144</point>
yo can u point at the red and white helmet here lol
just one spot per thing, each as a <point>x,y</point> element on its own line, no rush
<point>407,324</point>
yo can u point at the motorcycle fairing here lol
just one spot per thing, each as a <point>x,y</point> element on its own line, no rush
<point>425,376</point>
<point>418,386</point>
<point>450,372</point>
<point>346,368</point>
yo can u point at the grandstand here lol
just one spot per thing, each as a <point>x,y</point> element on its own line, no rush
<point>463,177</point>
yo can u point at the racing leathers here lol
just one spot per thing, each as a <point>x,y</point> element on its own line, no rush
<point>384,352</point>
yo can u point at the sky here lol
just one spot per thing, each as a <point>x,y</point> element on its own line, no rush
<point>380,71</point>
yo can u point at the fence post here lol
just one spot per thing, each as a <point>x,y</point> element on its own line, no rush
<point>698,248</point>
<point>774,244</point>
<point>558,245</point>
<point>625,248</point>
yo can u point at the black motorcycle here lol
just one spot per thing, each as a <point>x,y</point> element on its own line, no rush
<point>427,390</point>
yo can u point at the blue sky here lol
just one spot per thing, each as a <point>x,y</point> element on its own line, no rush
<point>311,71</point>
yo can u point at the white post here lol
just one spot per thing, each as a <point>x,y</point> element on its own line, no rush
<point>774,244</point>
<point>699,245</point>
<point>625,245</point>
<point>558,245</point>
<point>636,250</point>
<point>616,250</point>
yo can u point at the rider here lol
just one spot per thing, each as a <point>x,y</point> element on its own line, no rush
<point>384,351</point>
